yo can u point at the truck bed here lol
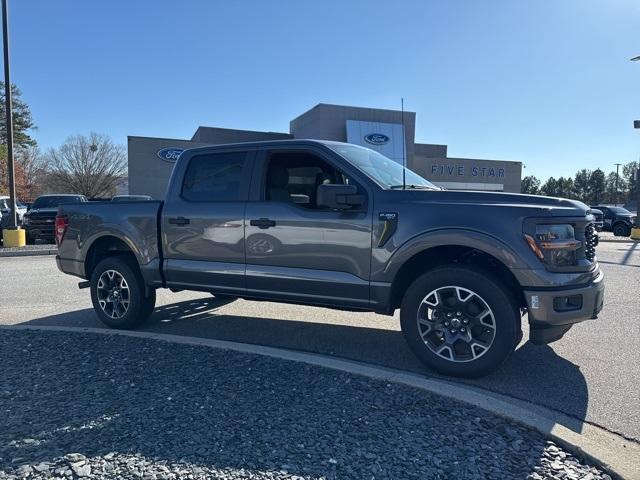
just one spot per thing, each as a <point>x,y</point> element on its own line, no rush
<point>92,223</point>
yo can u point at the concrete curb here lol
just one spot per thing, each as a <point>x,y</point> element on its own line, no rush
<point>28,253</point>
<point>613,240</point>
<point>615,453</point>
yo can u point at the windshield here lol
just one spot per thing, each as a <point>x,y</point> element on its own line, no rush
<point>379,168</point>
<point>54,201</point>
<point>620,210</point>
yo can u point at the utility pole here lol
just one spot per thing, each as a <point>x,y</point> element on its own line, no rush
<point>13,237</point>
<point>635,232</point>
<point>13,220</point>
<point>617,179</point>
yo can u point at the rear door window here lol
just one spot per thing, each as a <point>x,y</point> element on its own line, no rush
<point>214,177</point>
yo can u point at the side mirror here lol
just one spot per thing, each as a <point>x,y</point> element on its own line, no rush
<point>339,197</point>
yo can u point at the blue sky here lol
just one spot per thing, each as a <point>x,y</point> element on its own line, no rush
<point>545,82</point>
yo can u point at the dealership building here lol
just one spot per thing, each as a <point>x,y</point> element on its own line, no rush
<point>151,159</point>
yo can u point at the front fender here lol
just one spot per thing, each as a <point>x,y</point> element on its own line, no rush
<point>448,237</point>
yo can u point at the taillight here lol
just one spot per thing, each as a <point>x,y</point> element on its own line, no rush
<point>62,222</point>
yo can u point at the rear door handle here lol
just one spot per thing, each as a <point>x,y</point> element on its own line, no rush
<point>179,221</point>
<point>262,223</point>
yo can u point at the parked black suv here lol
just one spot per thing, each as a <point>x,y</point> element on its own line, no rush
<point>617,220</point>
<point>39,221</point>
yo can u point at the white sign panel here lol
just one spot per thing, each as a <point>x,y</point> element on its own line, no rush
<point>386,138</point>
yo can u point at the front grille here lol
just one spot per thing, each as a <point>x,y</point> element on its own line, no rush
<point>42,221</point>
<point>590,242</point>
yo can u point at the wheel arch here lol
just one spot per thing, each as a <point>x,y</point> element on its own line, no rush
<point>431,257</point>
<point>619,222</point>
<point>105,246</point>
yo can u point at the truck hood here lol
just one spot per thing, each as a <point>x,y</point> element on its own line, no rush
<point>43,212</point>
<point>536,204</point>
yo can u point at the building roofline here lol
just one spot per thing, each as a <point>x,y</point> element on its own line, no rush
<point>432,144</point>
<point>321,104</point>
<point>238,130</point>
<point>159,138</point>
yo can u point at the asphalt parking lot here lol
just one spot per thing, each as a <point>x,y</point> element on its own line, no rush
<point>591,374</point>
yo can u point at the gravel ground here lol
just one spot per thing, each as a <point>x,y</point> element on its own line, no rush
<point>94,406</point>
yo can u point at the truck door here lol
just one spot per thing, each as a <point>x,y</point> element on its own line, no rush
<point>203,221</point>
<point>296,250</point>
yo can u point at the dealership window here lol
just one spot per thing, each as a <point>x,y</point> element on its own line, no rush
<point>294,177</point>
<point>214,178</point>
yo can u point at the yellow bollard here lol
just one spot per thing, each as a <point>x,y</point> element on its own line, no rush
<point>14,237</point>
<point>635,234</point>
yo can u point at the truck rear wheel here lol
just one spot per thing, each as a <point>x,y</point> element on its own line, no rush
<point>460,321</point>
<point>118,294</point>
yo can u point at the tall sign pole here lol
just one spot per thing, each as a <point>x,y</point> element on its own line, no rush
<point>13,219</point>
<point>635,232</point>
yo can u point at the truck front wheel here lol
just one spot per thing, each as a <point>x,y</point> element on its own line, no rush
<point>460,321</point>
<point>621,230</point>
<point>118,294</point>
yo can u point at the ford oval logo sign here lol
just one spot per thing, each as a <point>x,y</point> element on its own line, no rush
<point>170,154</point>
<point>376,139</point>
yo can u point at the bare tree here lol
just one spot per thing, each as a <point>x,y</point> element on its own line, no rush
<point>89,165</point>
<point>34,169</point>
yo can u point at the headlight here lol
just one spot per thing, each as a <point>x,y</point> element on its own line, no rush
<point>25,220</point>
<point>555,244</point>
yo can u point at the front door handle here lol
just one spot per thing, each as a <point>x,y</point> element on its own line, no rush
<point>179,221</point>
<point>262,223</point>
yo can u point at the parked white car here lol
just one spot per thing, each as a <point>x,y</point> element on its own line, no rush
<point>5,211</point>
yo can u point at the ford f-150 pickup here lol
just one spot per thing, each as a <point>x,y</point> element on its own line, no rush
<point>341,226</point>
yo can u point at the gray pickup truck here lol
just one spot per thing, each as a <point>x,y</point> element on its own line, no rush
<point>341,226</point>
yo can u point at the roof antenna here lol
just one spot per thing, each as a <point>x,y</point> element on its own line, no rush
<point>404,157</point>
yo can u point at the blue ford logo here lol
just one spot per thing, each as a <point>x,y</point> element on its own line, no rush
<point>376,139</point>
<point>170,154</point>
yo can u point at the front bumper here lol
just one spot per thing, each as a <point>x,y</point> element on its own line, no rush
<point>552,312</point>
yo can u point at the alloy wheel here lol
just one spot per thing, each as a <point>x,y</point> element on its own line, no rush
<point>456,324</point>
<point>113,294</point>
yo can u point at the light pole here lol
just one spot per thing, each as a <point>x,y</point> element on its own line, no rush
<point>12,236</point>
<point>635,232</point>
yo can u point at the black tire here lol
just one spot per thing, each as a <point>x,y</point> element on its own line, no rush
<point>621,230</point>
<point>29,239</point>
<point>447,281</point>
<point>138,305</point>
